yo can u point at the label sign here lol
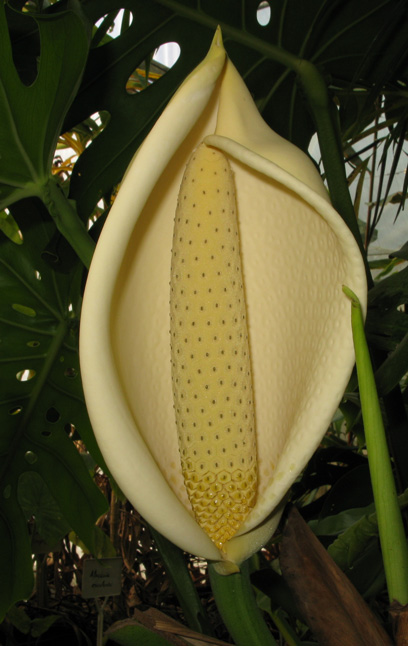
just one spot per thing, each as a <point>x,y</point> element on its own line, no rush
<point>101,578</point>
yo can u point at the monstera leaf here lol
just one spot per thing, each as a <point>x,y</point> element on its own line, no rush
<point>41,403</point>
<point>354,45</point>
<point>32,109</point>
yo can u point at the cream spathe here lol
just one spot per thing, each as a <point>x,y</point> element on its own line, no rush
<point>296,254</point>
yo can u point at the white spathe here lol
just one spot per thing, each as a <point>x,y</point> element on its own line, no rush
<point>296,255</point>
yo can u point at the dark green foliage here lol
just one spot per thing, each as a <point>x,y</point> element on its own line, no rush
<point>56,71</point>
<point>41,401</point>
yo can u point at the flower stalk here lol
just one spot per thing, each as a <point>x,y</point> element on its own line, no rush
<point>236,603</point>
<point>390,526</point>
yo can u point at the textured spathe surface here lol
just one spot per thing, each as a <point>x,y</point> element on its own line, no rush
<point>296,254</point>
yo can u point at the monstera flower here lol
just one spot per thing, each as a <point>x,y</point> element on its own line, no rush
<point>215,336</point>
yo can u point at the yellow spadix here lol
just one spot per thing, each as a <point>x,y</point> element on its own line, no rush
<point>211,367</point>
<point>215,337</point>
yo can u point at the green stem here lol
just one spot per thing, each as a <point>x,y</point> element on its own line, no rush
<point>67,220</point>
<point>390,526</point>
<point>236,603</point>
<point>286,631</point>
<point>182,583</point>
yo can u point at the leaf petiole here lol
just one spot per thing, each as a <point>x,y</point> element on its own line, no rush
<point>390,526</point>
<point>67,221</point>
<point>236,603</point>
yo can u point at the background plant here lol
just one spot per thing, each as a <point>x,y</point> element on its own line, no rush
<point>338,69</point>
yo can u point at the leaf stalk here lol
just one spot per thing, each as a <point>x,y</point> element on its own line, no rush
<point>390,526</point>
<point>67,220</point>
<point>236,603</point>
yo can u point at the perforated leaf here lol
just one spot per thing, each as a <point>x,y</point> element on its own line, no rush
<point>41,402</point>
<point>352,44</point>
<point>32,110</point>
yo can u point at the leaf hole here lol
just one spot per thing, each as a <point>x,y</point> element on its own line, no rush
<point>10,227</point>
<point>24,309</point>
<point>25,375</point>
<point>263,13</point>
<point>71,373</point>
<point>73,143</point>
<point>16,410</point>
<point>70,430</point>
<point>110,26</point>
<point>154,66</point>
<point>33,344</point>
<point>167,54</point>
<point>52,415</point>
